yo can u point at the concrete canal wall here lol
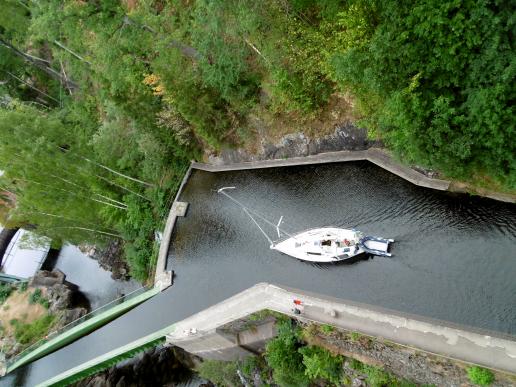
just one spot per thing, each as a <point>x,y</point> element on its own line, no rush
<point>374,155</point>
<point>163,278</point>
<point>378,156</point>
<point>198,334</point>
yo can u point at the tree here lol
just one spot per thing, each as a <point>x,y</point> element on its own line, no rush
<point>437,79</point>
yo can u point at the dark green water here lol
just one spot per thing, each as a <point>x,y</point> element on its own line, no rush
<point>454,256</point>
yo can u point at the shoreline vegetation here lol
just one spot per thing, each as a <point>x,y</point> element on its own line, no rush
<point>308,354</point>
<point>302,354</point>
<point>31,311</point>
<point>104,104</point>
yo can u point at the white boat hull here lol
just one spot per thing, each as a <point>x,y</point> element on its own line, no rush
<point>326,244</point>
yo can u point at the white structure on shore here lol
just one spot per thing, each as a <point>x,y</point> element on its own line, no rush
<point>20,259</point>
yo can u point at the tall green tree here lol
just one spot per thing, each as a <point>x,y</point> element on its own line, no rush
<point>442,79</point>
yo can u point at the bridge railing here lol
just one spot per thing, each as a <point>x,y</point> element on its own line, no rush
<point>80,320</point>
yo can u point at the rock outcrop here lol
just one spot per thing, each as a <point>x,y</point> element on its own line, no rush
<point>110,258</point>
<point>160,366</point>
<point>345,137</point>
<point>62,295</point>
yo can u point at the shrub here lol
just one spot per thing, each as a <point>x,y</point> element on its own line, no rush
<point>23,286</point>
<point>283,357</point>
<point>249,365</point>
<point>320,363</point>
<point>29,333</point>
<point>376,377</point>
<point>5,291</point>
<point>327,329</point>
<point>355,336</point>
<point>35,297</point>
<point>480,376</point>
<point>219,372</point>
<point>356,365</point>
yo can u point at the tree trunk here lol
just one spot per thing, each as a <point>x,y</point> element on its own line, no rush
<point>40,64</point>
<point>6,236</point>
<point>186,50</point>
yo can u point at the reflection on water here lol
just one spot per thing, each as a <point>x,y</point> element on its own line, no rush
<point>93,281</point>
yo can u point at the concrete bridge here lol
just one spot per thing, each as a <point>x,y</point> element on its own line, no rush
<point>198,333</point>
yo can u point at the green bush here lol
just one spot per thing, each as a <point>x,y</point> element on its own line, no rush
<point>376,377</point>
<point>5,292</point>
<point>23,286</point>
<point>220,373</point>
<point>283,357</point>
<point>249,365</point>
<point>320,363</point>
<point>327,329</point>
<point>436,78</point>
<point>355,336</point>
<point>480,376</point>
<point>30,333</point>
<point>356,365</point>
<point>35,297</point>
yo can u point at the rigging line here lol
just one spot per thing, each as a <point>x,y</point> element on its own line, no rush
<point>257,225</point>
<point>255,213</point>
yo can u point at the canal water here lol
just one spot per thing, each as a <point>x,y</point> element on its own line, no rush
<point>454,257</point>
<point>93,281</point>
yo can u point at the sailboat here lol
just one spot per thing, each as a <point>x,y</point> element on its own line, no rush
<point>322,245</point>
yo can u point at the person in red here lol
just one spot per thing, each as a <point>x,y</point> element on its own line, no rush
<point>298,306</point>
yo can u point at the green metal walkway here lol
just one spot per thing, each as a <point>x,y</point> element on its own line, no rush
<point>81,327</point>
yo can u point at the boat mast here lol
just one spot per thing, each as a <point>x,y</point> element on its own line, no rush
<point>249,212</point>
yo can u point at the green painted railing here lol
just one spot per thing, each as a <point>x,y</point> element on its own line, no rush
<point>8,279</point>
<point>108,363</point>
<point>81,327</point>
<point>109,359</point>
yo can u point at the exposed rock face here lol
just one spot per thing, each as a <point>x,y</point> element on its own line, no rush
<point>110,258</point>
<point>417,366</point>
<point>346,137</point>
<point>160,366</point>
<point>60,293</point>
<point>45,278</point>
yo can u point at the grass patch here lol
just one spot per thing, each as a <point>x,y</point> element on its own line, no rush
<point>327,329</point>
<point>37,297</point>
<point>220,373</point>
<point>29,333</point>
<point>480,376</point>
<point>355,336</point>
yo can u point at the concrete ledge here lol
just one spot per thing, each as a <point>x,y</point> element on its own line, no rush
<point>488,349</point>
<point>375,155</point>
<point>162,278</point>
<point>198,333</point>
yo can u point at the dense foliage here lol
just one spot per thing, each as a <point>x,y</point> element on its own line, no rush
<point>437,79</point>
<point>103,103</point>
<point>289,361</point>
